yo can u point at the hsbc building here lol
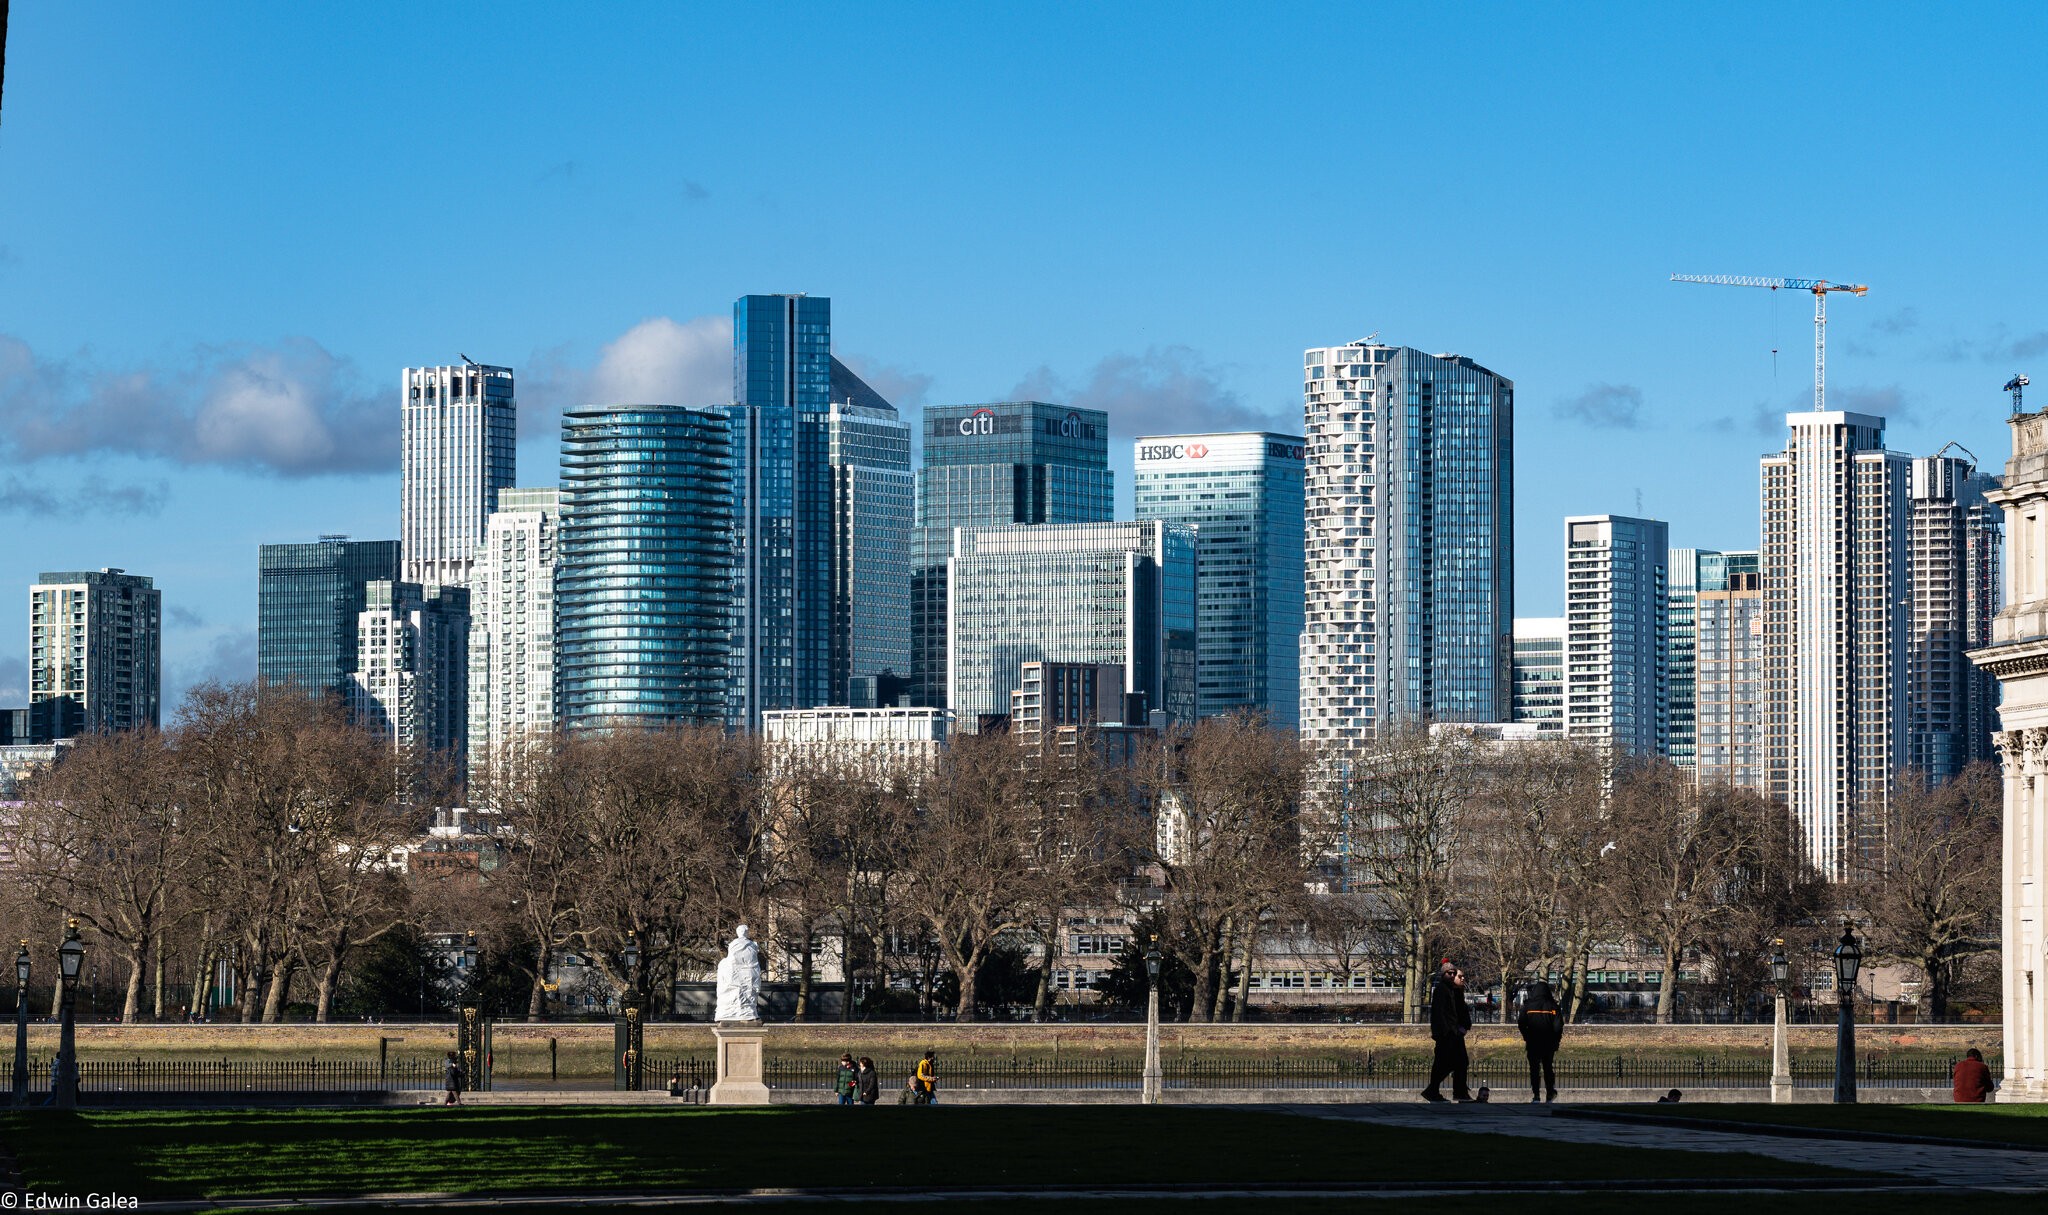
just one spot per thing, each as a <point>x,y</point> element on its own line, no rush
<point>1242,492</point>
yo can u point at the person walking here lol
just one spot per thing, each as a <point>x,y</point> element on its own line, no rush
<point>1542,1026</point>
<point>452,1077</point>
<point>1449,1020</point>
<point>1973,1082</point>
<point>928,1079</point>
<point>847,1082</point>
<point>868,1081</point>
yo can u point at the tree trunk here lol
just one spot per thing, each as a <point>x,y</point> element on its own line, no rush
<point>1041,1008</point>
<point>1582,944</point>
<point>1935,984</point>
<point>1244,976</point>
<point>1505,993</point>
<point>1668,982</point>
<point>1205,981</point>
<point>138,970</point>
<point>845,972</point>
<point>280,987</point>
<point>965,1012</point>
<point>535,997</point>
<point>323,997</point>
<point>804,958</point>
<point>156,1009</point>
<point>252,974</point>
<point>1219,1002</point>
<point>200,997</point>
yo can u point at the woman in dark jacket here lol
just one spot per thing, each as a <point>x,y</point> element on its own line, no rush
<point>1542,1026</point>
<point>870,1081</point>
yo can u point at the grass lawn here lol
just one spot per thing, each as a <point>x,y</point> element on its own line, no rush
<point>307,1153</point>
<point>2026,1124</point>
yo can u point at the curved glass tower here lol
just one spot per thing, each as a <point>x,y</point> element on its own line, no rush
<point>643,590</point>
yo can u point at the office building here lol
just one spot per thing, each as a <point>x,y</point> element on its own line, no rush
<point>512,633</point>
<point>643,580</point>
<point>1835,530</point>
<point>1409,490</point>
<point>1539,674</point>
<point>1121,593</point>
<point>1054,694</point>
<point>1615,589</point>
<point>784,490</point>
<point>988,465</point>
<point>95,654</point>
<point>1950,703</point>
<point>1242,495</point>
<point>412,671</point>
<point>1726,659</point>
<point>873,508</point>
<point>308,598</point>
<point>1680,624</point>
<point>458,451</point>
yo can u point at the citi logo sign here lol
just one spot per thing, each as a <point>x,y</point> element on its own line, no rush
<point>1071,428</point>
<point>980,422</point>
<point>1173,451</point>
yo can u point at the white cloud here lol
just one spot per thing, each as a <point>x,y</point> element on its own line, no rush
<point>662,362</point>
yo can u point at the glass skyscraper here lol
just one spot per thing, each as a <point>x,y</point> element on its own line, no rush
<point>1242,494</point>
<point>308,597</point>
<point>643,585</point>
<point>1951,705</point>
<point>1119,593</point>
<point>867,458</point>
<point>1616,590</point>
<point>1726,657</point>
<point>1410,541</point>
<point>1539,674</point>
<point>459,449</point>
<point>988,465</point>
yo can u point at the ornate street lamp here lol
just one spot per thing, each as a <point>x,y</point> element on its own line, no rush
<point>469,1029</point>
<point>21,969</point>
<point>70,956</point>
<point>1848,960</point>
<point>1154,1081</point>
<point>1781,1051</point>
<point>633,1053</point>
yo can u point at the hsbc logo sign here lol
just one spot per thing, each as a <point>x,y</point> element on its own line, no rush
<point>1173,451</point>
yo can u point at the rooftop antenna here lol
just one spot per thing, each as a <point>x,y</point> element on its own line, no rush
<point>2014,386</point>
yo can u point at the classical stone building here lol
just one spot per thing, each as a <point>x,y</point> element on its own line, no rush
<point>2018,656</point>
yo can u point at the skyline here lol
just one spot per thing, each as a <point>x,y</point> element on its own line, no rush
<point>1160,234</point>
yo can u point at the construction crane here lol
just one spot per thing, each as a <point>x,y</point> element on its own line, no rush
<point>2015,386</point>
<point>1820,289</point>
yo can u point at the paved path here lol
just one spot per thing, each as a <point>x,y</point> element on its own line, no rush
<point>1989,1167</point>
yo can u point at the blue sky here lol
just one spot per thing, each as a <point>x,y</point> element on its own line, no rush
<point>224,229</point>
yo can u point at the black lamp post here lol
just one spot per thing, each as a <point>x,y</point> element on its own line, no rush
<point>1848,960</point>
<point>70,956</point>
<point>632,959</point>
<point>468,1031</point>
<point>631,1056</point>
<point>1154,1080</point>
<point>21,1026</point>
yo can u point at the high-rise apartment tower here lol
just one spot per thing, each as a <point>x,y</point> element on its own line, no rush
<point>1410,542</point>
<point>643,582</point>
<point>1615,589</point>
<point>1726,657</point>
<point>512,694</point>
<point>1539,674</point>
<point>1950,703</point>
<point>1835,534</point>
<point>458,450</point>
<point>95,653</point>
<point>412,667</point>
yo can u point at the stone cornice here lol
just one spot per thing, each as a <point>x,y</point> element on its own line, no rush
<point>2029,657</point>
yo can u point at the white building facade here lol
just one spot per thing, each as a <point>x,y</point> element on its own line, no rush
<point>885,739</point>
<point>1616,692</point>
<point>2018,658</point>
<point>1834,575</point>
<point>412,658</point>
<point>512,693</point>
<point>457,451</point>
<point>1242,493</point>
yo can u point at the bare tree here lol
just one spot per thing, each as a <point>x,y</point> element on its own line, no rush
<point>1230,841</point>
<point>970,856</point>
<point>1407,798</point>
<point>1936,901</point>
<point>104,837</point>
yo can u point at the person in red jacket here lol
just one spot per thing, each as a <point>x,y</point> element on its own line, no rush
<point>1973,1079</point>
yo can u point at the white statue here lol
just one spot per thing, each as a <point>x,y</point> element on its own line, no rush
<point>739,979</point>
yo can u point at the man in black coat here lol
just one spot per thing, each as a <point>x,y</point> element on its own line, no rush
<point>1449,1020</point>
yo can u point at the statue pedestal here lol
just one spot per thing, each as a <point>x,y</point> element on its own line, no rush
<point>741,1080</point>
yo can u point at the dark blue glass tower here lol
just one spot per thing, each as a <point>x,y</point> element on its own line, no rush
<point>307,600</point>
<point>781,505</point>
